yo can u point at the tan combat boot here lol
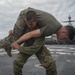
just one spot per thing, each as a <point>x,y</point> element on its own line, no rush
<point>8,50</point>
<point>4,43</point>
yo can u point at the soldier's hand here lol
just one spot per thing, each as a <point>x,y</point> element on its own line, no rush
<point>15,45</point>
<point>11,32</point>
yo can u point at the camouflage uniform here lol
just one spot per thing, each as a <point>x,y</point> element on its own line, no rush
<point>34,46</point>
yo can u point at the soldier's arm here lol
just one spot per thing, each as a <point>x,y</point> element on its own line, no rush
<point>39,42</point>
<point>35,33</point>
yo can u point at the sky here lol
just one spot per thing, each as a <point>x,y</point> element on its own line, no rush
<point>10,9</point>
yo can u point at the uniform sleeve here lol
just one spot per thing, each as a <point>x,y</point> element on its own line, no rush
<point>38,43</point>
<point>49,30</point>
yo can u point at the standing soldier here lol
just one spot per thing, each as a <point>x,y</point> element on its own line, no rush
<point>33,46</point>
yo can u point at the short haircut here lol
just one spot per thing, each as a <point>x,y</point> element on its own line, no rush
<point>71,31</point>
<point>31,15</point>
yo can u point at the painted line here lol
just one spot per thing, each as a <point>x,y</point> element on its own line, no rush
<point>38,66</point>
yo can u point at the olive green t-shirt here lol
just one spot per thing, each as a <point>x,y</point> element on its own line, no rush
<point>47,22</point>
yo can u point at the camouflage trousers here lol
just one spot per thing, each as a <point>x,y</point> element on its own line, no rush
<point>18,32</point>
<point>43,56</point>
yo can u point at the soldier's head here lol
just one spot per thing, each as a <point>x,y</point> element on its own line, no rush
<point>66,32</point>
<point>31,19</point>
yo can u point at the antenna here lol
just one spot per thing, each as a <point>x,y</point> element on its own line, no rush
<point>69,21</point>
